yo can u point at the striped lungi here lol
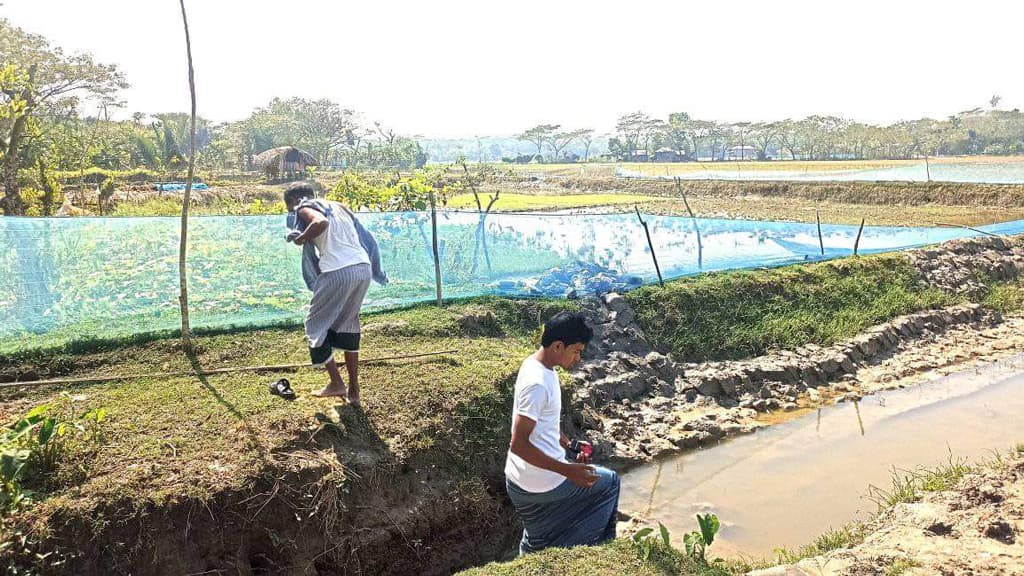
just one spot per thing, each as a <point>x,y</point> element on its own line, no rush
<point>333,317</point>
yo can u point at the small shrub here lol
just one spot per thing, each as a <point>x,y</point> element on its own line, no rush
<point>33,199</point>
<point>106,194</point>
<point>648,544</point>
<point>697,542</point>
<point>34,448</point>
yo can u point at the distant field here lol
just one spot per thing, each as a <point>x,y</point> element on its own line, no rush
<point>521,202</point>
<point>672,168</point>
<point>663,168</point>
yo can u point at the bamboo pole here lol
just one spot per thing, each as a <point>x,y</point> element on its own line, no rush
<point>269,368</point>
<point>651,246</point>
<point>437,257</point>
<point>186,336</point>
<point>821,240</point>
<point>993,234</point>
<point>856,243</point>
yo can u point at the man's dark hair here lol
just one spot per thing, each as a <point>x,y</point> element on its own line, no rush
<point>296,192</point>
<point>568,327</point>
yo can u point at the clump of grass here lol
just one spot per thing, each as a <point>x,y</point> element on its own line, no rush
<point>908,485</point>
<point>843,537</point>
<point>1005,297</point>
<point>735,315</point>
<point>901,565</point>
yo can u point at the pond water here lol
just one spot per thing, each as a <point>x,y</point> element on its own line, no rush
<point>789,483</point>
<point>984,172</point>
<point>67,279</point>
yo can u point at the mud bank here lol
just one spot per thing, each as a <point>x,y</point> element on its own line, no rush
<point>974,528</point>
<point>637,403</point>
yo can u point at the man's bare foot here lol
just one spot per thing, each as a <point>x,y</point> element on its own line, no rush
<point>354,401</point>
<point>332,391</point>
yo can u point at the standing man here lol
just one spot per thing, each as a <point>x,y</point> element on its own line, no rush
<point>561,503</point>
<point>339,259</point>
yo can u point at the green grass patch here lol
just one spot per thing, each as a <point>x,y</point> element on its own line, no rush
<point>736,315</point>
<point>527,202</point>
<point>613,559</point>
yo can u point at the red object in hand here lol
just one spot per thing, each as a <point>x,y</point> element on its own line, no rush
<point>581,448</point>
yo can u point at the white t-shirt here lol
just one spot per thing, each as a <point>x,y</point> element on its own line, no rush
<point>539,398</point>
<point>339,245</point>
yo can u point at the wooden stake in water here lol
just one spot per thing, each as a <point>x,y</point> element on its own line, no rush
<point>437,258</point>
<point>856,243</point>
<point>650,245</point>
<point>821,241</point>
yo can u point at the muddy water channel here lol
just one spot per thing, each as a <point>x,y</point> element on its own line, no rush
<point>790,482</point>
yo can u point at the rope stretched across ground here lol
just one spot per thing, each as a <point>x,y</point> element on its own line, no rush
<point>269,368</point>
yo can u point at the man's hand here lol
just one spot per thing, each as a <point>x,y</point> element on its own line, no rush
<point>581,475</point>
<point>292,236</point>
<point>583,456</point>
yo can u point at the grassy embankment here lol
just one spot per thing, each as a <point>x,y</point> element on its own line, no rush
<point>747,313</point>
<point>220,442</point>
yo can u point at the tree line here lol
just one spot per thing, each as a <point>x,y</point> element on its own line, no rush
<point>639,137</point>
<point>55,117</point>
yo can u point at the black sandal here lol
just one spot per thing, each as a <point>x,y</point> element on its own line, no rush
<point>283,389</point>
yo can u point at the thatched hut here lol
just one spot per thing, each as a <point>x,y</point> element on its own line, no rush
<point>284,161</point>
